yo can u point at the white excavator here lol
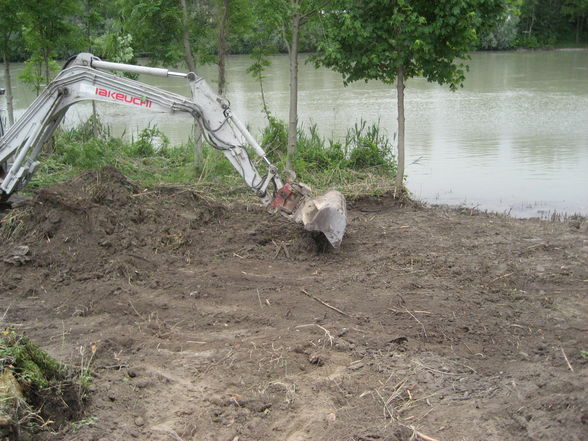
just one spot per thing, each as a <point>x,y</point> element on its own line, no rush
<point>87,77</point>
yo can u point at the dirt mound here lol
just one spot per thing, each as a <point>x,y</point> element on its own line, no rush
<point>216,322</point>
<point>101,213</point>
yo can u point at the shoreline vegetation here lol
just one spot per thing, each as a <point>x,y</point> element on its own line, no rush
<point>362,163</point>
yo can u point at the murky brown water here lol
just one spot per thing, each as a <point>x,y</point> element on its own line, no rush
<point>514,139</point>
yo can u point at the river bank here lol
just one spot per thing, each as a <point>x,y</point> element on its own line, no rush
<point>513,140</point>
<point>222,322</point>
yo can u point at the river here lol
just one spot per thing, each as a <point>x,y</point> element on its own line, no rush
<point>514,139</point>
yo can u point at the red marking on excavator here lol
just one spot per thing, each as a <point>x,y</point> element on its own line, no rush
<point>123,97</point>
<point>287,198</point>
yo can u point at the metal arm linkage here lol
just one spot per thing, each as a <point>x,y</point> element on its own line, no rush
<point>22,143</point>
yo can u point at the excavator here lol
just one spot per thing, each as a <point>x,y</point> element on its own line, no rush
<point>87,77</point>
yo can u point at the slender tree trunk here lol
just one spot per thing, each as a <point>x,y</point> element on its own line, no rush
<point>263,101</point>
<point>8,82</point>
<point>188,55</point>
<point>46,62</point>
<point>191,65</point>
<point>293,117</point>
<point>400,103</point>
<point>578,27</point>
<point>222,47</point>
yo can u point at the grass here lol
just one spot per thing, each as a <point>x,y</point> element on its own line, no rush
<point>39,385</point>
<point>362,163</point>
<point>30,363</point>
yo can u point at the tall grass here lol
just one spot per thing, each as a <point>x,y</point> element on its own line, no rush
<point>362,162</point>
<point>148,159</point>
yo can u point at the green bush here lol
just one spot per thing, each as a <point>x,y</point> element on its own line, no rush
<point>313,153</point>
<point>92,128</point>
<point>149,141</point>
<point>365,147</point>
<point>149,159</point>
<point>274,139</point>
<point>90,154</point>
<point>369,148</point>
<point>362,161</point>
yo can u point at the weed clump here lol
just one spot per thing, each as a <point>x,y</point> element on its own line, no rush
<point>31,364</point>
<point>36,391</point>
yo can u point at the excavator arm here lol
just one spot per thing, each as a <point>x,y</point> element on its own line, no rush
<point>83,79</point>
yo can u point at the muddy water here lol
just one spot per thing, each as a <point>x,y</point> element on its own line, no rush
<point>514,139</point>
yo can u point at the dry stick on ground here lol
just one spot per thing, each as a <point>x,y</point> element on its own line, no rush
<point>281,247</point>
<point>418,321</point>
<point>416,434</point>
<point>325,303</point>
<point>415,311</point>
<point>327,333</point>
<point>499,277</point>
<point>566,358</point>
<point>5,312</point>
<point>278,249</point>
<point>386,408</point>
<point>259,298</point>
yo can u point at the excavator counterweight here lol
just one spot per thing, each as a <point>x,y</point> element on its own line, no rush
<point>84,78</point>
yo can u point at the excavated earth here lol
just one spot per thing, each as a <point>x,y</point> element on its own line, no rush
<point>227,323</point>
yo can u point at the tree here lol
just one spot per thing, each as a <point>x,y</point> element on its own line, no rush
<point>47,26</point>
<point>577,10</point>
<point>97,18</point>
<point>233,17</point>
<point>504,35</point>
<point>10,25</point>
<point>542,22</point>
<point>392,40</point>
<point>288,17</point>
<point>169,31</point>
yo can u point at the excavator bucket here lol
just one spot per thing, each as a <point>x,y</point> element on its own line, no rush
<point>326,213</point>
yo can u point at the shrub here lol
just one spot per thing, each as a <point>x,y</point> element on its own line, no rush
<point>369,148</point>
<point>274,139</point>
<point>149,141</point>
<point>313,153</point>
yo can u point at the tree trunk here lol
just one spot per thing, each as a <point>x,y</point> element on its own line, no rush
<point>46,62</point>
<point>188,55</point>
<point>400,103</point>
<point>9,101</point>
<point>222,47</point>
<point>578,27</point>
<point>293,116</point>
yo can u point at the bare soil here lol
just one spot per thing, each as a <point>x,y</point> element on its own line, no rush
<point>228,323</point>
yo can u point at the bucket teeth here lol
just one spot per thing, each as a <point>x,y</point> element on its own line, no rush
<point>326,213</point>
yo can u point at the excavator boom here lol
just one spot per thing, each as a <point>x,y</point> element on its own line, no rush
<point>83,79</point>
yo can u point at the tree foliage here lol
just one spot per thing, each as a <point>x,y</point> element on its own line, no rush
<point>142,18</point>
<point>10,33</point>
<point>372,40</point>
<point>46,27</point>
<point>390,40</point>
